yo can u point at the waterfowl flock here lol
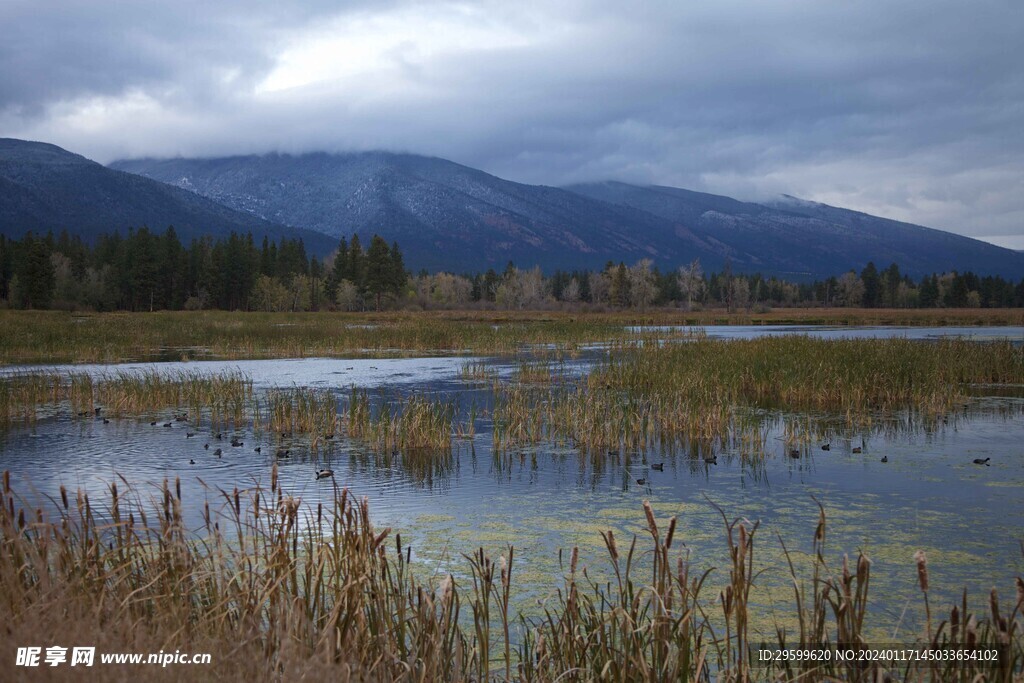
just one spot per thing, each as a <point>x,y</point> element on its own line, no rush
<point>325,473</point>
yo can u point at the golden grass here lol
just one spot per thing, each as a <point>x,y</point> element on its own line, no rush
<point>415,425</point>
<point>57,337</point>
<point>302,411</point>
<point>53,337</point>
<point>220,398</point>
<point>801,373</point>
<point>276,590</point>
<point>704,391</point>
<point>698,393</point>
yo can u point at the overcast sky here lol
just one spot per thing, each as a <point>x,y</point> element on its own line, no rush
<point>910,109</point>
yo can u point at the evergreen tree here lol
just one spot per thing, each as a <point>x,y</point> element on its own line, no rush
<point>171,272</point>
<point>140,260</point>
<point>34,271</point>
<point>342,262</point>
<point>357,264</point>
<point>872,286</point>
<point>379,277</point>
<point>6,266</point>
<point>928,292</point>
<point>268,258</point>
<point>337,272</point>
<point>956,293</point>
<point>891,280</point>
<point>399,276</point>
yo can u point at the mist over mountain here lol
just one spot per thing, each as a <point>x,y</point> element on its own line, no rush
<point>449,216</point>
<point>44,187</point>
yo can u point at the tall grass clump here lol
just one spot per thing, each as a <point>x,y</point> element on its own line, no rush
<point>223,397</point>
<point>408,423</point>
<point>21,395</point>
<point>477,371</point>
<point>220,397</point>
<point>302,411</point>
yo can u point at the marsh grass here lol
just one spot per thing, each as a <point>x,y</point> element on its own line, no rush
<point>276,589</point>
<point>22,395</point>
<point>800,373</point>
<point>302,411</point>
<point>220,398</point>
<point>413,424</point>
<point>55,337</point>
<point>709,391</point>
<point>58,337</point>
<point>539,371</point>
<point>714,395</point>
<point>478,371</point>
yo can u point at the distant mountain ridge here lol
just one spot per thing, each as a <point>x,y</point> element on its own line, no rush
<point>449,216</point>
<point>44,187</point>
<point>444,215</point>
<point>808,238</point>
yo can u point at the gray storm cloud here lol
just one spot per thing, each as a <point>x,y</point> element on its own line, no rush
<point>908,109</point>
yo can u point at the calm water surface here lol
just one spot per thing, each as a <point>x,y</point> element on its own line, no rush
<point>929,495</point>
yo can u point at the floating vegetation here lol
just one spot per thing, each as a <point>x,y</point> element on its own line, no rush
<point>277,588</point>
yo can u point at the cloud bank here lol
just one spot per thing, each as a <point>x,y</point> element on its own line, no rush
<point>909,109</point>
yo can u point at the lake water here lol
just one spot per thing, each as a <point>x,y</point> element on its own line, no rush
<point>929,495</point>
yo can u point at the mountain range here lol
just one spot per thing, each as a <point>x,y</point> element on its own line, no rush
<point>449,216</point>
<point>44,188</point>
<point>453,217</point>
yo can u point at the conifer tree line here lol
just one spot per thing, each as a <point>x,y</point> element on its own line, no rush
<point>145,271</point>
